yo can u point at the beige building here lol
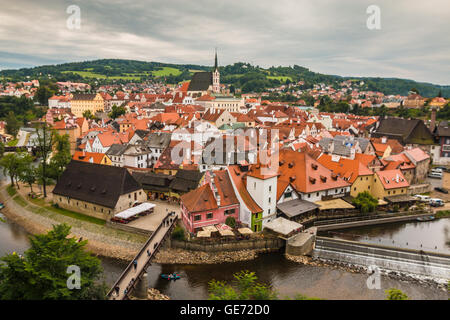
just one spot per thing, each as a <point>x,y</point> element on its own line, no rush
<point>100,191</point>
<point>84,102</point>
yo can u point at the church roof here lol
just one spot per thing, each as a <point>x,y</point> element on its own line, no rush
<point>200,81</point>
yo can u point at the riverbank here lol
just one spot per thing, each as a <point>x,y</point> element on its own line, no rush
<point>102,241</point>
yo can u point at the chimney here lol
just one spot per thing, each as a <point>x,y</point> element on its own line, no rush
<point>433,119</point>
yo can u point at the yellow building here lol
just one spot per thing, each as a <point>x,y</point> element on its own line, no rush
<point>84,102</point>
<point>353,171</point>
<point>389,183</point>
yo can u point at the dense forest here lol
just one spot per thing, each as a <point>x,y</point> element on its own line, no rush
<point>241,75</point>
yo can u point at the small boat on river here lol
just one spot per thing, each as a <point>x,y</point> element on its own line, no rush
<point>424,219</point>
<point>172,276</point>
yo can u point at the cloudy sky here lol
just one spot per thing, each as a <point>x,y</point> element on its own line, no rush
<point>327,36</point>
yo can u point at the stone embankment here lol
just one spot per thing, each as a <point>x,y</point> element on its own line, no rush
<point>154,294</point>
<point>180,256</point>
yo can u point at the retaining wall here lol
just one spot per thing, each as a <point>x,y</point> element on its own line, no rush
<point>259,244</point>
<point>128,228</point>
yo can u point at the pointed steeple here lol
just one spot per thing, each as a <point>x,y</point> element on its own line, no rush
<point>215,62</point>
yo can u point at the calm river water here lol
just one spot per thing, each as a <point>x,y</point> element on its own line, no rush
<point>428,236</point>
<point>287,277</point>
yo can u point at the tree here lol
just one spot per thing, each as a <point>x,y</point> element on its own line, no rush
<point>12,124</point>
<point>62,155</point>
<point>88,115</point>
<point>44,144</point>
<point>13,164</point>
<point>246,288</point>
<point>117,111</point>
<point>27,173</point>
<point>365,202</point>
<point>42,273</point>
<point>2,149</point>
<point>230,221</point>
<point>395,294</point>
<point>43,94</point>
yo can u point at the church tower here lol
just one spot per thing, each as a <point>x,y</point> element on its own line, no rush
<point>216,77</point>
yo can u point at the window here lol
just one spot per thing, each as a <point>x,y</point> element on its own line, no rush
<point>229,211</point>
<point>269,199</point>
<point>209,215</point>
<point>354,189</point>
<point>270,188</point>
<point>197,217</point>
<point>288,194</point>
<point>254,185</point>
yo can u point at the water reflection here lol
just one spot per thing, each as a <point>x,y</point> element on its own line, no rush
<point>428,236</point>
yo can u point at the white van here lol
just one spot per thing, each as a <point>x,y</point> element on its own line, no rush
<point>422,198</point>
<point>436,202</point>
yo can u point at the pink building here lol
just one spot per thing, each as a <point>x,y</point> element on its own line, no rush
<point>210,204</point>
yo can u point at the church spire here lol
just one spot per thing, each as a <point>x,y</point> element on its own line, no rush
<point>215,62</point>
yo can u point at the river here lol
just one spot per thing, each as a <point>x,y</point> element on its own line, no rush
<point>431,236</point>
<point>287,277</point>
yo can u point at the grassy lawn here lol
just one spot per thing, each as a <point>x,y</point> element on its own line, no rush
<point>11,190</point>
<point>45,206</point>
<point>89,74</point>
<point>280,78</point>
<point>443,214</point>
<point>76,215</point>
<point>166,71</point>
<point>21,201</point>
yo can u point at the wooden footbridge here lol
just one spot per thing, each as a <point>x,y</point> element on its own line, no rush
<point>137,267</point>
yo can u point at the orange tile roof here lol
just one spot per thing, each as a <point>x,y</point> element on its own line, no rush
<point>346,168</point>
<point>392,179</point>
<point>93,157</point>
<point>306,174</point>
<point>239,179</point>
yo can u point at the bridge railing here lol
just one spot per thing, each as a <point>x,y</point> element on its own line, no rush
<point>130,265</point>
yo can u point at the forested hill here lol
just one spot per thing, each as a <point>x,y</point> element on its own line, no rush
<point>240,75</point>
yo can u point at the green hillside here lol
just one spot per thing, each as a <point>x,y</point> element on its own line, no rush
<point>240,75</point>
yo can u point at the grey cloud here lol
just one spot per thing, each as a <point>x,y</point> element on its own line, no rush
<point>324,35</point>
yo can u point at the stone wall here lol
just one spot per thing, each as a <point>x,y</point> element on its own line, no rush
<point>127,228</point>
<point>258,244</point>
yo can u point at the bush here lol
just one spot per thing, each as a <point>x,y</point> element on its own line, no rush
<point>231,222</point>
<point>365,202</point>
<point>395,294</point>
<point>178,233</point>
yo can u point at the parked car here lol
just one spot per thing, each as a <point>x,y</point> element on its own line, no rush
<point>435,175</point>
<point>436,202</point>
<point>443,190</point>
<point>422,198</point>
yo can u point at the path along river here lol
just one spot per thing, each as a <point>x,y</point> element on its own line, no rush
<point>287,277</point>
